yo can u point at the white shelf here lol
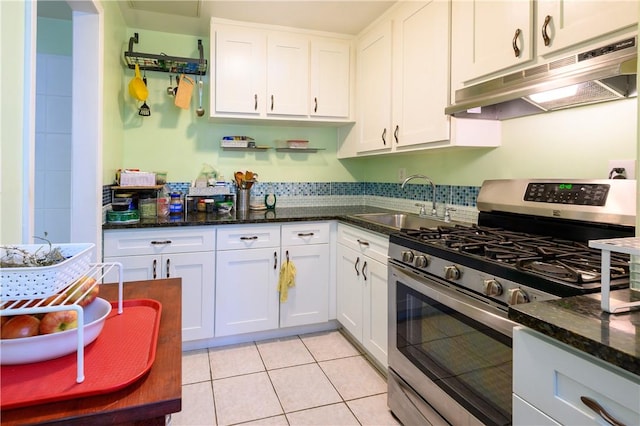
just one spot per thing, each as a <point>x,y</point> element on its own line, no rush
<point>631,246</point>
<point>300,150</point>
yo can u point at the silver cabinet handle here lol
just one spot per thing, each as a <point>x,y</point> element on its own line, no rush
<point>593,404</point>
<point>356,266</point>
<point>305,234</point>
<point>254,237</point>
<point>155,264</point>
<point>156,243</point>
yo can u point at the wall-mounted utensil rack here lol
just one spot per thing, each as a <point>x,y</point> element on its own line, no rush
<point>165,63</point>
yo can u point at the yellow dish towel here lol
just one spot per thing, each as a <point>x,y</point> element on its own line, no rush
<point>287,279</point>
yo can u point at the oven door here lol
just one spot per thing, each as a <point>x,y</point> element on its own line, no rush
<point>450,348</point>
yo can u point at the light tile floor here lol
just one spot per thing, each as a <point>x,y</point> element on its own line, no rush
<point>312,379</point>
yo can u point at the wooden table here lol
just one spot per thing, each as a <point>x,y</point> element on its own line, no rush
<point>145,401</point>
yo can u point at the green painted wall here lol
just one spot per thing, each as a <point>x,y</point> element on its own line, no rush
<point>12,45</point>
<point>575,143</point>
<point>115,34</point>
<point>179,142</point>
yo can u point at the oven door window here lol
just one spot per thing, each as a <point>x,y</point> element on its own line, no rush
<point>467,359</point>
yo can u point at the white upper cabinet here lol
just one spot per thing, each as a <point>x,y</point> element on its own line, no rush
<point>240,78</point>
<point>373,89</point>
<point>330,76</point>
<point>273,73</point>
<point>402,87</point>
<point>287,74</point>
<point>493,38</point>
<point>421,74</point>
<point>562,24</point>
<point>490,36</point>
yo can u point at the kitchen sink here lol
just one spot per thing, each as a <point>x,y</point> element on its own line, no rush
<point>400,220</point>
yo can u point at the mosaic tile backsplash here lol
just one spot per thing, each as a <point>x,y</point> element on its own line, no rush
<point>384,195</point>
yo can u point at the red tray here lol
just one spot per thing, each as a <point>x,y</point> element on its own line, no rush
<point>123,352</point>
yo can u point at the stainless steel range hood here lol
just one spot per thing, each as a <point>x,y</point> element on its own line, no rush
<point>597,75</point>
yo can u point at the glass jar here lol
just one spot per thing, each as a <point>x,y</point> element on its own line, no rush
<point>175,205</point>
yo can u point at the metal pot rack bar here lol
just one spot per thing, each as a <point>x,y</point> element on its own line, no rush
<point>96,271</point>
<point>165,63</point>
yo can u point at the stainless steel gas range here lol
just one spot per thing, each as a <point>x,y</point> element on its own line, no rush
<point>450,341</point>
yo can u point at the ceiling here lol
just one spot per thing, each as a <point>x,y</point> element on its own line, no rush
<point>191,17</point>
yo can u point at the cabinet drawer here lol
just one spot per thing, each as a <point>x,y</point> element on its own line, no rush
<point>305,233</point>
<point>248,236</point>
<point>375,246</point>
<point>552,377</point>
<point>129,242</point>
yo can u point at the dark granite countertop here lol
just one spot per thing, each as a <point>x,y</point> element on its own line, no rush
<point>579,322</point>
<point>280,214</point>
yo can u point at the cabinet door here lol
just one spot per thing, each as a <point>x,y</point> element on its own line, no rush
<point>483,34</point>
<point>246,296</point>
<point>287,75</point>
<point>373,92</point>
<point>349,290</point>
<point>240,66</point>
<point>308,300</point>
<point>421,74</point>
<point>375,309</point>
<point>330,71</point>
<point>574,22</point>
<point>135,268</point>
<point>197,272</point>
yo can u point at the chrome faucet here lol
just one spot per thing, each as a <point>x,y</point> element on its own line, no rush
<point>423,211</point>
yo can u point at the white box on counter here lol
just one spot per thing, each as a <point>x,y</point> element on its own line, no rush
<point>133,178</point>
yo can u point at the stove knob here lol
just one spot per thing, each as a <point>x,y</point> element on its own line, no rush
<point>421,261</point>
<point>492,287</point>
<point>517,296</point>
<point>407,256</point>
<point>451,272</point>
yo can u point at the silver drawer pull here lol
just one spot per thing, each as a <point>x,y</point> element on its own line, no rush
<point>305,234</point>
<point>363,243</point>
<point>599,409</point>
<point>249,238</point>
<point>161,242</point>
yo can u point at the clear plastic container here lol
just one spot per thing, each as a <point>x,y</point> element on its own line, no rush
<point>148,208</point>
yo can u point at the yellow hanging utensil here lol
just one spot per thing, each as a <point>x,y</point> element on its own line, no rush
<point>137,89</point>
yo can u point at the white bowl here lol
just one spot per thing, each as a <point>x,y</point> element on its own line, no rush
<point>49,346</point>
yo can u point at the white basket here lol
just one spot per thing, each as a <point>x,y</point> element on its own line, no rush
<point>43,281</point>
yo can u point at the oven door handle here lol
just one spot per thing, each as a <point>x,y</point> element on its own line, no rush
<point>454,299</point>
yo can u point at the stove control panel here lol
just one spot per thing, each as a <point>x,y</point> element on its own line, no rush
<point>584,194</point>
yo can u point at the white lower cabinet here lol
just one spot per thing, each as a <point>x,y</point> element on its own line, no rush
<point>362,288</point>
<point>184,253</point>
<point>249,259</point>
<point>550,380</point>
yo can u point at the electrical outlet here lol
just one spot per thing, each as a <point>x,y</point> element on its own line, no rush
<point>629,167</point>
<point>402,174</point>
